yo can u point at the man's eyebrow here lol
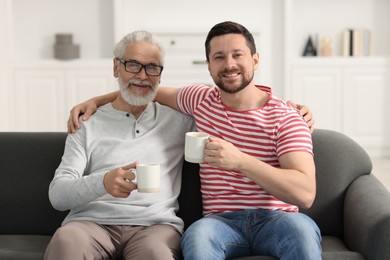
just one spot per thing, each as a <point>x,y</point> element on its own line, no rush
<point>221,52</point>
<point>148,63</point>
<point>218,52</point>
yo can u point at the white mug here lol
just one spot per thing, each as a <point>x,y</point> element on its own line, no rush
<point>147,177</point>
<point>194,146</point>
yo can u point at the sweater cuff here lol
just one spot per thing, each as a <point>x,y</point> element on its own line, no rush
<point>98,182</point>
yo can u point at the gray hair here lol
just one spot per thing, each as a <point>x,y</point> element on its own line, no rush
<point>139,36</point>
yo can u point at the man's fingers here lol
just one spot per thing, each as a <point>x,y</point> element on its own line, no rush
<point>71,128</point>
<point>119,183</point>
<point>73,121</point>
<point>307,116</point>
<point>130,166</point>
<point>304,111</point>
<point>292,104</point>
<point>88,113</point>
<point>311,125</point>
<point>215,139</point>
<point>128,175</point>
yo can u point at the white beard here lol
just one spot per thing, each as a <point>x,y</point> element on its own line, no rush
<point>136,99</point>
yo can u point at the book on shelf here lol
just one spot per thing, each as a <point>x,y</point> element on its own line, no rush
<point>356,42</point>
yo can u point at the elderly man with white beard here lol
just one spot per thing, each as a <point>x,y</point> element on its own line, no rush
<point>108,217</point>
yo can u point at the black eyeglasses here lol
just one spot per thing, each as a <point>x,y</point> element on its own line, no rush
<point>136,67</point>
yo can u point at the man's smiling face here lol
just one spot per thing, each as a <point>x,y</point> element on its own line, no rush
<point>231,63</point>
<point>138,88</point>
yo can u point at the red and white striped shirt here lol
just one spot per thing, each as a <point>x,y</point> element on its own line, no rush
<point>264,133</point>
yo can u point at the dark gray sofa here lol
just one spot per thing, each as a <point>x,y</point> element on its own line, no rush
<point>352,207</point>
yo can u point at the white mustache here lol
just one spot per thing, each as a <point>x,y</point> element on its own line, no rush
<point>139,82</point>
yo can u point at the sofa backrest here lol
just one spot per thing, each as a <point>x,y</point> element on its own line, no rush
<point>190,198</point>
<point>27,165</point>
<point>29,160</point>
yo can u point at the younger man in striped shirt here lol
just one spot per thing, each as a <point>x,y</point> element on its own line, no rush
<point>258,167</point>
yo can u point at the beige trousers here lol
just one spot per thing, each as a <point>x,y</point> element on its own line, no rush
<point>88,240</point>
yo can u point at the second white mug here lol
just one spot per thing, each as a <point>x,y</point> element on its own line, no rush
<point>194,146</point>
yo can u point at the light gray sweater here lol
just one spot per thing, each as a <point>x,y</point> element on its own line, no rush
<point>111,139</point>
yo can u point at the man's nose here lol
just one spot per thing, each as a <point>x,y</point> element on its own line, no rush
<point>142,74</point>
<point>230,62</point>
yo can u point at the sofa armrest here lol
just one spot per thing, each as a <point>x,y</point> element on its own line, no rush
<point>367,218</point>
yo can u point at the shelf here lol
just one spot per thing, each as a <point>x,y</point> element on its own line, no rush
<point>366,61</point>
<point>39,63</point>
<point>331,17</point>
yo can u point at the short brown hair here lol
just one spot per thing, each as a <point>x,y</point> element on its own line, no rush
<point>229,27</point>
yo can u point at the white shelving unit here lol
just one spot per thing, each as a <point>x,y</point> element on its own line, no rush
<point>38,91</point>
<point>332,17</point>
<point>347,94</point>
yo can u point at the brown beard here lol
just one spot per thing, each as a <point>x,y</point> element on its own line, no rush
<point>245,82</point>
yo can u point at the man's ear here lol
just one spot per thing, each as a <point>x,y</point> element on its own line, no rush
<point>256,60</point>
<point>115,68</point>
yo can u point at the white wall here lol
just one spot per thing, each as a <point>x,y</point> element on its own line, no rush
<point>261,17</point>
<point>36,22</point>
<point>4,50</point>
<point>281,27</point>
<point>98,24</point>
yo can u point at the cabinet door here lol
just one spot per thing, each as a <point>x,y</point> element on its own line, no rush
<point>85,83</point>
<point>366,94</point>
<point>38,100</point>
<point>320,89</point>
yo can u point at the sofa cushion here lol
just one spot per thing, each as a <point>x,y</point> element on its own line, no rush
<point>33,247</point>
<point>23,246</point>
<point>332,248</point>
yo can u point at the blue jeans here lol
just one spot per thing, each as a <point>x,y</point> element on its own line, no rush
<point>252,232</point>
